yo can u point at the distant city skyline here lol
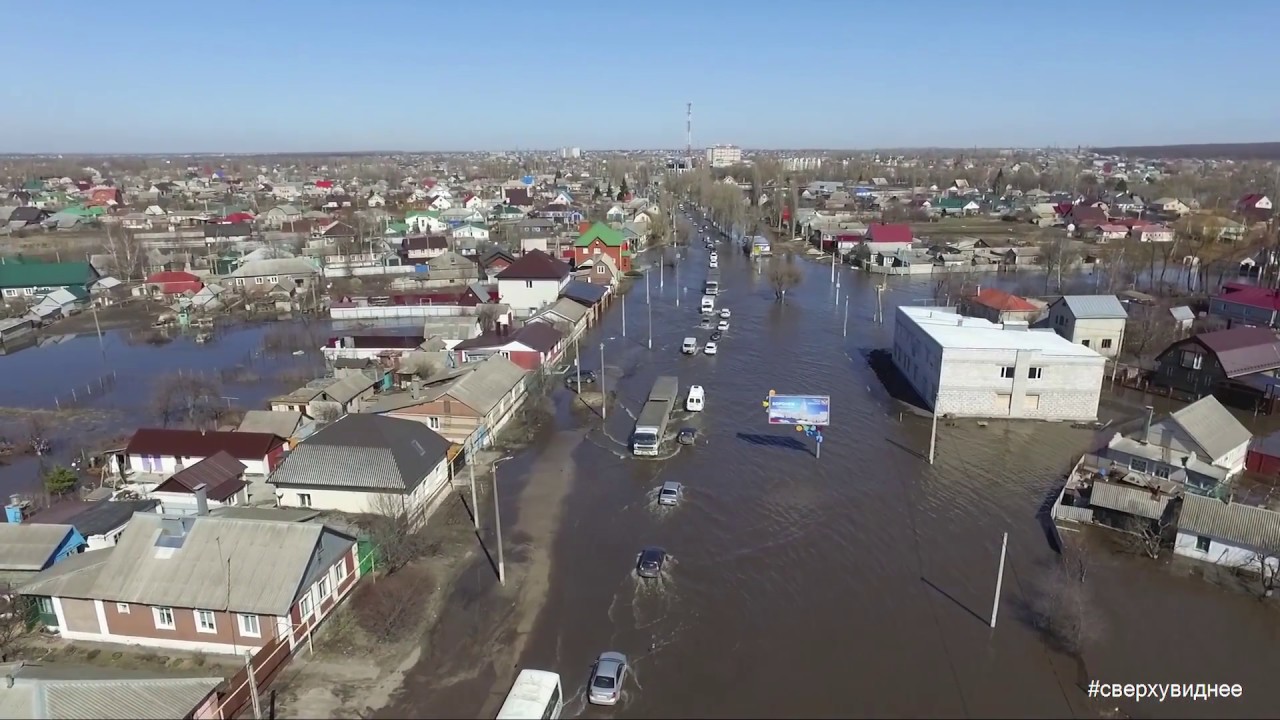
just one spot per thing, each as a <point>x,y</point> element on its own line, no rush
<point>138,77</point>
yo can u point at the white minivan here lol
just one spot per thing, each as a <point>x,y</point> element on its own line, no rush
<point>708,304</point>
<point>690,346</point>
<point>697,397</point>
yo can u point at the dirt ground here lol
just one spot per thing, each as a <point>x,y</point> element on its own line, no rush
<point>52,650</point>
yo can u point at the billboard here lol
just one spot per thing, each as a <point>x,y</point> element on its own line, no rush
<point>800,410</point>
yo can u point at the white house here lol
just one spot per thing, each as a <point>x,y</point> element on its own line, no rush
<point>165,451</point>
<point>1227,533</point>
<point>971,367</point>
<point>1094,321</point>
<point>425,222</point>
<point>1201,445</point>
<point>367,464</point>
<point>471,232</point>
<point>1152,233</point>
<point>532,282</point>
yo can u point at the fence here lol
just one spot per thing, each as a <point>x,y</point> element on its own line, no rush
<point>82,394</point>
<point>371,312</point>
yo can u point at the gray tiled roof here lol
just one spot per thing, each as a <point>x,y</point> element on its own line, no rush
<point>370,452</point>
<point>1244,525</point>
<point>1095,307</point>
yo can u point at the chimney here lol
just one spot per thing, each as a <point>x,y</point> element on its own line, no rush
<point>202,499</point>
<point>1146,429</point>
<point>415,386</point>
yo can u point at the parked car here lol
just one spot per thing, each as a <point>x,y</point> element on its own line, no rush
<point>607,676</point>
<point>650,561</point>
<point>587,377</point>
<point>725,314</point>
<point>710,348</point>
<point>670,493</point>
<point>687,436</point>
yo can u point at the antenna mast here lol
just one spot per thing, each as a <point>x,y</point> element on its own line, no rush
<point>688,132</point>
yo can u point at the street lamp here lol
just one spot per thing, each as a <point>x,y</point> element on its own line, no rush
<point>497,521</point>
<point>604,393</point>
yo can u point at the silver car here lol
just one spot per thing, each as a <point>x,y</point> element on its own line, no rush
<point>670,493</point>
<point>607,676</point>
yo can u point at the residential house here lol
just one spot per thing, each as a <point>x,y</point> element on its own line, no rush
<point>494,262</point>
<point>568,316</point>
<point>470,234</point>
<point>16,331</point>
<point>1085,215</point>
<point>971,367</point>
<point>99,522</point>
<point>1236,365</point>
<point>291,425</point>
<point>948,206</point>
<point>469,405</point>
<point>25,280</point>
<point>367,464</point>
<point>201,583</point>
<point>1231,534</point>
<point>1255,207</point>
<point>1201,446</point>
<point>62,302</point>
<point>212,482</point>
<point>1169,206</point>
<point>535,233</point>
<point>420,249</point>
<point>291,274</point>
<point>61,691</point>
<point>998,306</point>
<point>168,283</point>
<point>425,222</point>
<point>1021,256</point>
<point>1106,232</point>
<point>1094,321</point>
<point>531,282</point>
<point>530,347</point>
<point>327,399</point>
<point>1152,233</point>
<point>451,267</point>
<point>1241,304</point>
<point>599,270</point>
<point>26,549</point>
<point>166,450</point>
<point>280,217</point>
<point>215,233</point>
<point>456,217</point>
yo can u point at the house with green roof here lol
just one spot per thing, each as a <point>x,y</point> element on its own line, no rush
<point>22,279</point>
<point>956,206</point>
<point>600,239</point>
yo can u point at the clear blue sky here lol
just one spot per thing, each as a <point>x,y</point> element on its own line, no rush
<point>286,75</point>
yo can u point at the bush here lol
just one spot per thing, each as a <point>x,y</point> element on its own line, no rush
<point>389,607</point>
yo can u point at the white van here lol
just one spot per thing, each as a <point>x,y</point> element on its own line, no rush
<point>708,304</point>
<point>697,397</point>
<point>690,346</point>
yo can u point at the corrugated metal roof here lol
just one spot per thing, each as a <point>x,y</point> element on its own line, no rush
<point>1209,425</point>
<point>29,547</point>
<point>1130,500</point>
<point>280,423</point>
<point>365,451</point>
<point>221,474</point>
<point>1095,307</point>
<point>73,577</point>
<point>1244,525</point>
<point>487,384</point>
<point>79,693</point>
<point>247,566</point>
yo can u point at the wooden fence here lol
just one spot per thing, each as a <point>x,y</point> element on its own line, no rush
<point>82,394</point>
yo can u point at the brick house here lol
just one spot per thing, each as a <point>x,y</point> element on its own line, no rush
<point>600,239</point>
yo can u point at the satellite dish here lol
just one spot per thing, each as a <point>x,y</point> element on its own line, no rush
<point>1071,228</point>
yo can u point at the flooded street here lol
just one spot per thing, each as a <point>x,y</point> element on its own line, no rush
<point>858,583</point>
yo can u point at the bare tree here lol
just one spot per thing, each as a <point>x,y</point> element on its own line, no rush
<point>1149,330</point>
<point>1265,563</point>
<point>127,253</point>
<point>1056,254</point>
<point>395,531</point>
<point>186,399</point>
<point>783,275</point>
<point>1150,537</point>
<point>326,413</point>
<point>1062,611</point>
<point>390,609</point>
<point>17,616</point>
<point>487,316</point>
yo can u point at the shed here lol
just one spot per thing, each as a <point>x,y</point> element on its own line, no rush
<point>1264,455</point>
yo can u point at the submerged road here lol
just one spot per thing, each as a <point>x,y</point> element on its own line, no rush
<point>857,584</point>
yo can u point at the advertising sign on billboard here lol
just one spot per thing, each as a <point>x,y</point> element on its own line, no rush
<point>800,410</point>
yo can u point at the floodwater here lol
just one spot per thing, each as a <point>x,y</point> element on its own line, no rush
<point>857,583</point>
<point>105,389</point>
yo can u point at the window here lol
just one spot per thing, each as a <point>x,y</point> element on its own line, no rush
<point>1084,343</point>
<point>304,499</point>
<point>1162,472</point>
<point>1202,543</point>
<point>28,291</point>
<point>240,282</point>
<point>342,571</point>
<point>163,617</point>
<point>205,622</point>
<point>249,625</point>
<point>528,284</point>
<point>1106,343</point>
<point>304,606</point>
<point>257,281</point>
<point>1138,464</point>
<point>10,292</point>
<point>122,608</point>
<point>44,606</point>
<point>273,279</point>
<point>1191,360</point>
<point>1035,373</point>
<point>324,587</point>
<point>1007,371</point>
<point>601,269</point>
<point>433,423</point>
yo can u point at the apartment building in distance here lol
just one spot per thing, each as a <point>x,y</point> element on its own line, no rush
<point>719,156</point>
<point>971,367</point>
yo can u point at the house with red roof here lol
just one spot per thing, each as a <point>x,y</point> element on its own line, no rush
<point>530,347</point>
<point>172,282</point>
<point>888,238</point>
<point>1248,305</point>
<point>999,306</point>
<point>1255,207</point>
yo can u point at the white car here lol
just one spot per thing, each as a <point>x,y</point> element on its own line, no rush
<point>709,348</point>
<point>724,314</point>
<point>723,325</point>
<point>712,265</point>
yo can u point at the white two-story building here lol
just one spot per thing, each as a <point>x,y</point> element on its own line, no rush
<point>970,367</point>
<point>532,282</point>
<point>1094,321</point>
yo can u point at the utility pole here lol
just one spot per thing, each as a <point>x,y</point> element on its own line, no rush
<point>577,364</point>
<point>497,522</point>
<point>661,271</point>
<point>98,327</point>
<point>676,269</point>
<point>646,288</point>
<point>253,686</point>
<point>995,605</point>
<point>604,395</point>
<point>624,316</point>
<point>649,308</point>
<point>880,303</point>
